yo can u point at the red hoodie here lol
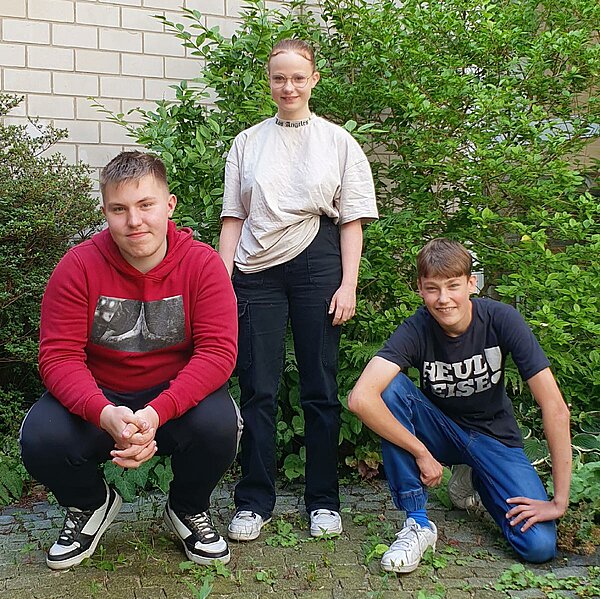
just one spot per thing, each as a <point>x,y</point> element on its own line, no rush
<point>106,324</point>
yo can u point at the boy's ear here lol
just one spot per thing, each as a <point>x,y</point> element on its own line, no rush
<point>419,286</point>
<point>171,203</point>
<point>472,283</point>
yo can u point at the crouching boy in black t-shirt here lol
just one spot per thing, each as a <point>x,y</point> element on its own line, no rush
<point>462,415</point>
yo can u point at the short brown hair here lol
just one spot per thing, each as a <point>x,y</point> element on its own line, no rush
<point>443,257</point>
<point>294,45</point>
<point>132,166</point>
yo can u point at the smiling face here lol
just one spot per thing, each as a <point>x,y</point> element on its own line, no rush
<point>292,102</point>
<point>137,212</point>
<point>448,301</point>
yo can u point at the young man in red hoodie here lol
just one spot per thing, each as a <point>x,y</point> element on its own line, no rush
<point>137,342</point>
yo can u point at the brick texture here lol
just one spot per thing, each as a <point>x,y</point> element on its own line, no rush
<point>51,10</point>
<point>64,56</point>
<point>13,8</point>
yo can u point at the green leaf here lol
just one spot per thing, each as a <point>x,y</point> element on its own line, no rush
<point>350,125</point>
<point>586,442</point>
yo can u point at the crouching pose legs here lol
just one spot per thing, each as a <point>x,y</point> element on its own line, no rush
<point>461,415</point>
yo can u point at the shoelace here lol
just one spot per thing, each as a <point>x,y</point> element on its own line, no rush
<point>318,513</point>
<point>246,515</point>
<point>74,521</point>
<point>403,538</point>
<point>201,525</point>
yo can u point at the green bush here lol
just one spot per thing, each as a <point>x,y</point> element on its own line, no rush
<point>472,113</point>
<point>45,206</point>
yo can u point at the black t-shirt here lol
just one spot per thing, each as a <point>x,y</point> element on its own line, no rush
<point>464,375</point>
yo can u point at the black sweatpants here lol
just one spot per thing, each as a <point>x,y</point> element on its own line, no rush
<point>63,451</point>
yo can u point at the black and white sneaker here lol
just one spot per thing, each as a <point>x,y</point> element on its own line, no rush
<point>81,532</point>
<point>202,543</point>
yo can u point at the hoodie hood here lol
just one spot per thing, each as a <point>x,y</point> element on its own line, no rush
<point>179,243</point>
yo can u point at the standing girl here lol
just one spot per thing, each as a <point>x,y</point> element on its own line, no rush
<point>297,188</point>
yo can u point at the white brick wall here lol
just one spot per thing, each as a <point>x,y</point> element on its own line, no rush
<point>60,53</point>
<point>12,55</point>
<point>14,8</point>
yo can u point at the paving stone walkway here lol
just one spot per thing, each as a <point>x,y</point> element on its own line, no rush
<point>139,558</point>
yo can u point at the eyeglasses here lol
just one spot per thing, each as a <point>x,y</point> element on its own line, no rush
<point>298,81</point>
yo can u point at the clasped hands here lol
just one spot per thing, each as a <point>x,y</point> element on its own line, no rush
<point>133,433</point>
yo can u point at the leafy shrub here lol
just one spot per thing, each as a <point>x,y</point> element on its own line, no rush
<point>472,113</point>
<point>156,473</point>
<point>44,207</point>
<point>12,472</point>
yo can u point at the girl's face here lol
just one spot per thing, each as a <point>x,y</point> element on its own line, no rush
<point>292,97</point>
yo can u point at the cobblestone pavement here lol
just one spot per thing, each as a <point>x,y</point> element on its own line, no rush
<point>139,559</point>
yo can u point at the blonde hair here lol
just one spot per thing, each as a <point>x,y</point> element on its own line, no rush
<point>443,257</point>
<point>300,47</point>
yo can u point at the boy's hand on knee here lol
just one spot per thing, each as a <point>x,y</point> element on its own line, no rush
<point>431,470</point>
<point>531,511</point>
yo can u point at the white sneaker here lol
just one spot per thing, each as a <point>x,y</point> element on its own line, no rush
<point>461,491</point>
<point>246,525</point>
<point>325,522</point>
<point>407,550</point>
<point>201,542</point>
<point>81,532</point>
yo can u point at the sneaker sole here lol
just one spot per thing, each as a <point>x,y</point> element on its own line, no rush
<point>197,559</point>
<point>246,536</point>
<point>77,559</point>
<point>403,569</point>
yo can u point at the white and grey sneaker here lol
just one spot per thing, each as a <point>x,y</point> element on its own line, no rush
<point>409,547</point>
<point>325,522</point>
<point>246,525</point>
<point>461,491</point>
<point>81,532</point>
<point>201,542</point>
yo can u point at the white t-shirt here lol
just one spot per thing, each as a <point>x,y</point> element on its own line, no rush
<point>281,176</point>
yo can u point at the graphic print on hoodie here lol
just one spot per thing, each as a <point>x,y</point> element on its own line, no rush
<point>135,326</point>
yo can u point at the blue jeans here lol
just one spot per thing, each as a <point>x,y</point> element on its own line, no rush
<point>499,472</point>
<point>300,291</point>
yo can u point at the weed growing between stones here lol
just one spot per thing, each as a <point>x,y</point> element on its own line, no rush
<point>204,576</point>
<point>95,587</point>
<point>268,576</point>
<point>517,577</point>
<point>439,593</point>
<point>379,593</point>
<point>579,530</point>
<point>202,592</point>
<point>311,572</point>
<point>200,573</point>
<point>284,535</point>
<point>485,555</point>
<point>148,543</point>
<point>378,532</point>
<point>102,562</point>
<point>440,559</point>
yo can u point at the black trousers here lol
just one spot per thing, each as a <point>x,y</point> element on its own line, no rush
<point>63,451</point>
<point>299,290</point>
